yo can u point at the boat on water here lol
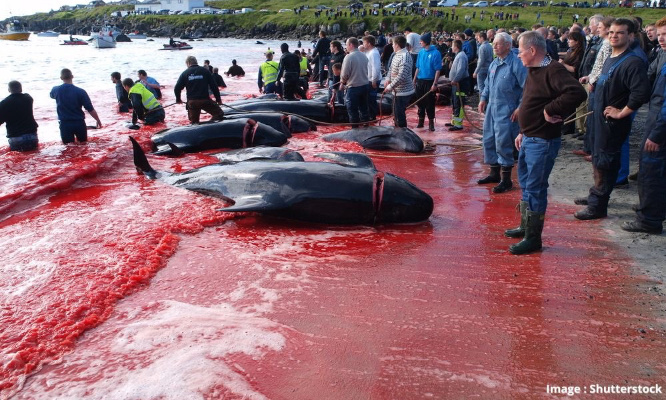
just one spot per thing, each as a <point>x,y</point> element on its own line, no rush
<point>104,38</point>
<point>137,35</point>
<point>74,42</point>
<point>15,31</point>
<point>48,34</point>
<point>176,45</point>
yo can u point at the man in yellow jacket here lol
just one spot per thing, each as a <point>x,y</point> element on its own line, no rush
<point>268,72</point>
<point>145,105</point>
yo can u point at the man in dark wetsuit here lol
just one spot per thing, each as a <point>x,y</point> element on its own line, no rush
<point>619,91</point>
<point>124,104</point>
<point>235,70</point>
<point>218,78</point>
<point>290,69</point>
<point>198,81</point>
<point>16,111</point>
<point>69,100</point>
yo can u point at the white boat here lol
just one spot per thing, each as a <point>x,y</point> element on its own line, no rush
<point>15,31</point>
<point>104,38</point>
<point>48,34</point>
<point>134,35</point>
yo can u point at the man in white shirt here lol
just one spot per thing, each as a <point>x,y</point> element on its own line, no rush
<point>374,74</point>
<point>413,44</point>
<point>354,77</point>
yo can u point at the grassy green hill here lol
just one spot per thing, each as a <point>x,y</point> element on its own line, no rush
<point>286,21</point>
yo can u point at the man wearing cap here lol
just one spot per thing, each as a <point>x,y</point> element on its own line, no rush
<point>268,72</point>
<point>428,64</point>
<point>290,69</point>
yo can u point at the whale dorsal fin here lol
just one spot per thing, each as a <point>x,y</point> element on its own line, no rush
<point>348,159</point>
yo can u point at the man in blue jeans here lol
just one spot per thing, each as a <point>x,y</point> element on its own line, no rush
<point>354,77</point>
<point>322,49</point>
<point>69,100</point>
<point>550,94</point>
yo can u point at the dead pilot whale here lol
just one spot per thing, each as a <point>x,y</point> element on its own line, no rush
<point>230,134</point>
<point>348,191</point>
<point>381,138</point>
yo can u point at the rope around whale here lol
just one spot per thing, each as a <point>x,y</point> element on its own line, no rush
<point>474,147</point>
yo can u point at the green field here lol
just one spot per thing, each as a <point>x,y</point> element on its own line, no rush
<point>290,21</point>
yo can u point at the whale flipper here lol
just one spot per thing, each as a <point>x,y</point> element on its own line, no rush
<point>348,159</point>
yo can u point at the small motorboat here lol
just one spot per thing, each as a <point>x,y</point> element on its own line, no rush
<point>104,38</point>
<point>48,34</point>
<point>176,45</point>
<point>74,42</point>
<point>259,42</point>
<point>15,31</point>
<point>136,35</point>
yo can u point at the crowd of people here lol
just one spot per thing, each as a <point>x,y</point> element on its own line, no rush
<point>534,85</point>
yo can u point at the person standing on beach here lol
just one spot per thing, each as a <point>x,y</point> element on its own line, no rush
<point>651,210</point>
<point>426,75</point>
<point>354,77</point>
<point>198,81</point>
<point>399,79</point>
<point>500,101</point>
<point>16,111</point>
<point>550,94</point>
<point>620,90</point>
<point>69,100</point>
<point>323,50</point>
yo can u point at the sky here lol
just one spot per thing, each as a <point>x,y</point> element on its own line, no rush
<point>10,8</point>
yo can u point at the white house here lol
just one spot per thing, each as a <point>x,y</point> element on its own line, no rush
<point>171,5</point>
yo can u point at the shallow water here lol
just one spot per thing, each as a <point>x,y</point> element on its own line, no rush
<point>118,287</point>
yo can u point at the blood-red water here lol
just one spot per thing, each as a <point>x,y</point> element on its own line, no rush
<point>244,306</point>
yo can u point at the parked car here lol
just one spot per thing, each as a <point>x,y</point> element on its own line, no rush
<point>537,4</point>
<point>284,10</point>
<point>515,4</point>
<point>560,4</point>
<point>391,5</point>
<point>355,5</point>
<point>639,4</point>
<point>447,3</point>
<point>468,4</point>
<point>322,8</point>
<point>432,3</point>
<point>480,4</point>
<point>499,3</point>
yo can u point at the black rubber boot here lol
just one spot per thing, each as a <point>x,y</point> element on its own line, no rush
<point>532,240</point>
<point>421,121</point>
<point>493,177</point>
<point>519,231</point>
<point>505,184</point>
<point>431,125</point>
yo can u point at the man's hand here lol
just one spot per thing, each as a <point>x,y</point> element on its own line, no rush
<point>553,120</point>
<point>519,141</point>
<point>514,115</point>
<point>474,75</point>
<point>179,101</point>
<point>482,106</point>
<point>613,112</point>
<point>584,79</point>
<point>433,88</point>
<point>651,146</point>
<point>374,85</point>
<point>99,124</point>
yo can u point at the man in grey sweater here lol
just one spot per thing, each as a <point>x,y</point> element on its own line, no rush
<point>354,77</point>
<point>458,76</point>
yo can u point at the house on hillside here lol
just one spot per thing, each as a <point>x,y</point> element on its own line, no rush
<point>171,5</point>
<point>96,3</point>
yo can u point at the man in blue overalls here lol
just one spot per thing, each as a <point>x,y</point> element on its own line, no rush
<point>621,89</point>
<point>502,94</point>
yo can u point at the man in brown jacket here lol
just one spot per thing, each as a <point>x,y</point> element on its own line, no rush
<point>550,94</point>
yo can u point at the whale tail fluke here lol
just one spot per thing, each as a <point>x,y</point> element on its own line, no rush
<point>140,160</point>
